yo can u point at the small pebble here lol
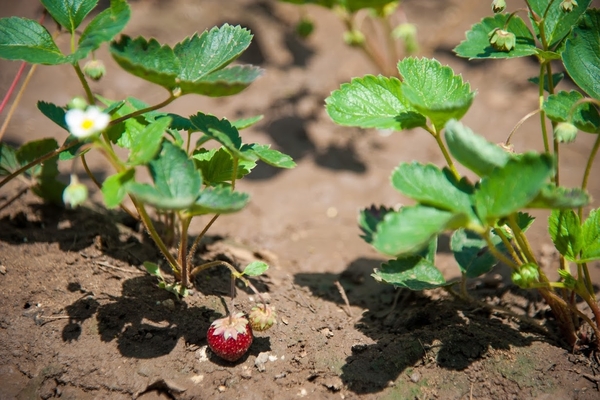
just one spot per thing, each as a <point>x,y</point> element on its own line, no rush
<point>148,336</point>
<point>169,304</point>
<point>221,388</point>
<point>2,269</point>
<point>415,377</point>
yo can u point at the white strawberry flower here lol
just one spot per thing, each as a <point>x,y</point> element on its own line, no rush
<point>85,123</point>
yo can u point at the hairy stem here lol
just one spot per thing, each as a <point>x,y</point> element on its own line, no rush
<point>160,105</point>
<point>84,83</point>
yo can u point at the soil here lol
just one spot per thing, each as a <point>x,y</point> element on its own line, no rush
<point>81,319</point>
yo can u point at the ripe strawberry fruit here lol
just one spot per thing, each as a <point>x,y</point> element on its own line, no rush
<point>230,337</point>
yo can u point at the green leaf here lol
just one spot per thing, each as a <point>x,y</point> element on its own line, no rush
<point>255,268</point>
<point>47,186</point>
<point>369,218</point>
<point>410,229</point>
<point>69,13</point>
<point>103,28</point>
<point>591,237</point>
<point>551,197</point>
<point>414,273</point>
<point>269,156</point>
<point>557,23</point>
<point>8,160</point>
<point>473,151</point>
<point>181,123</point>
<point>471,252</point>
<point>566,233</point>
<point>153,269</point>
<point>221,131</point>
<point>434,90</point>
<point>177,182</point>
<point>585,116</point>
<point>219,200</point>
<point>510,188</point>
<point>373,102</point>
<point>556,78</point>
<point>27,40</point>
<point>195,65</point>
<point>217,166</point>
<point>581,55</point>
<point>54,112</point>
<point>246,122</point>
<point>114,187</point>
<point>431,186</point>
<point>146,144</point>
<point>477,43</point>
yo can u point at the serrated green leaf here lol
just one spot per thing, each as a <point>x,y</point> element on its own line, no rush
<point>410,229</point>
<point>373,102</point>
<point>556,78</point>
<point>472,150</point>
<point>103,28</point>
<point>369,218</point>
<point>255,268</point>
<point>581,55</point>
<point>225,82</point>
<point>431,186</point>
<point>270,156</point>
<point>217,166</point>
<point>8,159</point>
<point>114,187</point>
<point>434,91</point>
<point>477,44</point>
<point>177,182</point>
<point>220,130</point>
<point>69,13</point>
<point>27,40</point>
<point>181,123</point>
<point>508,189</point>
<point>146,144</point>
<point>590,249</point>
<point>471,252</point>
<point>557,23</point>
<point>219,200</point>
<point>585,117</point>
<point>246,122</point>
<point>551,197</point>
<point>414,273</point>
<point>54,112</point>
<point>566,233</point>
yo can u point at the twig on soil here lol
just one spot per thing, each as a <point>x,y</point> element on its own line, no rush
<point>595,379</point>
<point>107,265</point>
<point>41,320</point>
<point>343,294</point>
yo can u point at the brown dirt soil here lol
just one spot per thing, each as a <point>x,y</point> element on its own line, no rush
<point>80,318</point>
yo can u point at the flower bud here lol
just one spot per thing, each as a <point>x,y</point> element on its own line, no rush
<point>502,40</point>
<point>77,103</point>
<point>354,38</point>
<point>568,5</point>
<point>526,276</point>
<point>408,33</point>
<point>565,132</point>
<point>498,6</point>
<point>94,69</point>
<point>75,194</point>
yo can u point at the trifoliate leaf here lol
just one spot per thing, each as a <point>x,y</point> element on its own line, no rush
<point>373,102</point>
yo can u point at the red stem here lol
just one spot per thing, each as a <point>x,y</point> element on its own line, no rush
<point>12,87</point>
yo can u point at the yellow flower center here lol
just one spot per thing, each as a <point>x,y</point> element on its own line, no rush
<point>87,124</point>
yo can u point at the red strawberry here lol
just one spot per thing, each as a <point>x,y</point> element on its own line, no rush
<point>230,337</point>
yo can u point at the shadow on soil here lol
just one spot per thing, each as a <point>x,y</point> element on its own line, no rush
<point>414,331</point>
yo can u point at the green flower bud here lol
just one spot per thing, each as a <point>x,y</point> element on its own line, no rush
<point>94,69</point>
<point>526,276</point>
<point>565,132</point>
<point>354,38</point>
<point>75,194</point>
<point>77,103</point>
<point>408,33</point>
<point>568,5</point>
<point>502,40</point>
<point>498,6</point>
<point>305,27</point>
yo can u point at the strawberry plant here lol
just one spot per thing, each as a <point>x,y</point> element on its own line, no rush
<point>485,212</point>
<point>380,43</point>
<point>194,162</point>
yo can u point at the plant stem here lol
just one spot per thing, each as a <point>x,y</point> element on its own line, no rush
<point>509,247</point>
<point>86,86</point>
<point>185,224</point>
<point>18,98</point>
<point>438,138</point>
<point>560,310</point>
<point>521,238</point>
<point>144,110</point>
<point>497,253</point>
<point>518,125</point>
<point>542,113</point>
